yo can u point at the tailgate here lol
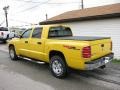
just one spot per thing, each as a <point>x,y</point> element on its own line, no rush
<point>100,48</point>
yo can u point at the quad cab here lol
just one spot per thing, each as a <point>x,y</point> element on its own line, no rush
<point>56,45</point>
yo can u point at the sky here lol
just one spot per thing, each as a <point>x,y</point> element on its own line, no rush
<point>26,12</point>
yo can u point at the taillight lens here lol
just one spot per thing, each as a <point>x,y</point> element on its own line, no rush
<point>86,52</point>
<point>111,45</point>
<point>2,33</point>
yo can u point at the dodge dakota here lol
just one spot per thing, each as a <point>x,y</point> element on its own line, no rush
<point>56,45</point>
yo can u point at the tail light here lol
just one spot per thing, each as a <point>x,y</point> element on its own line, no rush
<point>111,45</point>
<point>86,52</point>
<point>2,33</point>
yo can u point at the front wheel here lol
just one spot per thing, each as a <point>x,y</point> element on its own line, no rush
<point>58,66</point>
<point>12,53</point>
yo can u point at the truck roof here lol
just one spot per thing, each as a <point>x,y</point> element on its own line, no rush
<point>3,29</point>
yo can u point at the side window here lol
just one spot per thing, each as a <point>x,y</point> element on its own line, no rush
<point>37,33</point>
<point>26,34</point>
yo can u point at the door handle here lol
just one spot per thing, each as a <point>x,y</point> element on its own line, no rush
<point>39,43</point>
<point>26,41</point>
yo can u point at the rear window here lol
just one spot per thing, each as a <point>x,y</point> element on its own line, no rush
<point>3,29</point>
<point>59,31</point>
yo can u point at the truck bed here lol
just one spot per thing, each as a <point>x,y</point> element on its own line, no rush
<point>81,38</point>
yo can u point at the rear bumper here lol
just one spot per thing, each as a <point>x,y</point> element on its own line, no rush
<point>99,62</point>
<point>3,38</point>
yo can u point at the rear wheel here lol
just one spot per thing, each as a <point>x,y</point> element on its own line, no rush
<point>12,53</point>
<point>58,66</point>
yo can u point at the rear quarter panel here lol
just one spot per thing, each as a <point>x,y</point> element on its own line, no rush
<point>73,56</point>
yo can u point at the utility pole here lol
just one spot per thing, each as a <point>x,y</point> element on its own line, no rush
<point>6,13</point>
<point>82,4</point>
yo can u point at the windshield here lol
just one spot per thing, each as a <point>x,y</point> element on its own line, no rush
<point>59,32</point>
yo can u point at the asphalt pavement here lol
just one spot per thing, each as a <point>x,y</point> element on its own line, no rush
<point>26,75</point>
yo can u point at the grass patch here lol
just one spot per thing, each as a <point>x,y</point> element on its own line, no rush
<point>117,61</point>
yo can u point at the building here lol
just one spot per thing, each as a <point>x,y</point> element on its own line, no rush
<point>96,21</point>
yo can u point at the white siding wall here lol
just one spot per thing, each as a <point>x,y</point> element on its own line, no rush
<point>106,27</point>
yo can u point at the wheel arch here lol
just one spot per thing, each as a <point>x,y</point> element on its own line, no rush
<point>11,45</point>
<point>55,52</point>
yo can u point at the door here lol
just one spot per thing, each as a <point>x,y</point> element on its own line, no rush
<point>24,43</point>
<point>37,44</point>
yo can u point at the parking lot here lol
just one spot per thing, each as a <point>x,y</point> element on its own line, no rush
<point>27,75</point>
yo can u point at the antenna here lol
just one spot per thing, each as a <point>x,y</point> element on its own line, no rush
<point>46,16</point>
<point>82,4</point>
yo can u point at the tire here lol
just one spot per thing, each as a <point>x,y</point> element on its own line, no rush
<point>4,41</point>
<point>103,67</point>
<point>12,53</point>
<point>58,67</point>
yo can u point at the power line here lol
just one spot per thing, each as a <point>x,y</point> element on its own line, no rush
<point>65,3</point>
<point>27,9</point>
<point>48,3</point>
<point>19,21</point>
<point>40,3</point>
<point>28,1</point>
<point>2,22</point>
<point>37,5</point>
<point>34,6</point>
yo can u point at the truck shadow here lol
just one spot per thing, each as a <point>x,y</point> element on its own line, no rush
<point>40,73</point>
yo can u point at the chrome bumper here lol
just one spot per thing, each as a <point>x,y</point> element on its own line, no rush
<point>99,62</point>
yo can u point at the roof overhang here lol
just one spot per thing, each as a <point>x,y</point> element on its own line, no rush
<point>98,17</point>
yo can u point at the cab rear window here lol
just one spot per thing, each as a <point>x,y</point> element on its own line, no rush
<point>59,32</point>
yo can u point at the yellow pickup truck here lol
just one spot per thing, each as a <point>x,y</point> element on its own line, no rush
<point>56,45</point>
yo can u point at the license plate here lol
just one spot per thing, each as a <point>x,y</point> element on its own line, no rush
<point>107,59</point>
